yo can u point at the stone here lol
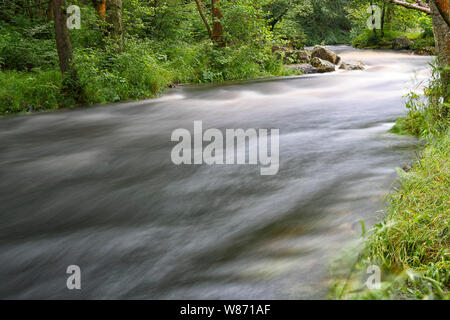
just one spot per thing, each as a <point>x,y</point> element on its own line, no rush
<point>322,65</point>
<point>352,66</point>
<point>426,51</point>
<point>304,68</point>
<point>325,54</point>
<point>402,43</point>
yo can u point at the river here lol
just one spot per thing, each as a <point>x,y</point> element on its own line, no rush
<point>95,187</point>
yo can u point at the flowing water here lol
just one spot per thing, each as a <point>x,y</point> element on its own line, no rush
<point>95,187</point>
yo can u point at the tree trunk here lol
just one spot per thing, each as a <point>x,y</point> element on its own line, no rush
<point>114,18</point>
<point>217,30</point>
<point>70,85</point>
<point>442,39</point>
<point>101,9</point>
<point>63,44</point>
<point>383,16</point>
<point>50,11</point>
<point>202,15</point>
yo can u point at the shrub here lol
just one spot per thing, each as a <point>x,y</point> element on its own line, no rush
<point>20,50</point>
<point>107,76</point>
<point>21,92</point>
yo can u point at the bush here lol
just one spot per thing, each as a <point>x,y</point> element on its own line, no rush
<point>22,92</point>
<point>23,49</point>
<point>204,62</point>
<point>109,77</point>
<point>427,114</point>
<point>426,26</point>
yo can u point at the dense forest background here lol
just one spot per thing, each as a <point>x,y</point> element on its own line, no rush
<point>133,49</point>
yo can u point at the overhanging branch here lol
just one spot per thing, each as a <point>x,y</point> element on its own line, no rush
<point>413,6</point>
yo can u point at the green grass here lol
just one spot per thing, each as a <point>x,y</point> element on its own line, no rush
<point>29,91</point>
<point>143,70</point>
<point>411,245</point>
<point>367,39</point>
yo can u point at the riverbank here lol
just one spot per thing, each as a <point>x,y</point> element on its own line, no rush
<point>410,246</point>
<point>417,42</point>
<point>100,185</point>
<point>41,90</point>
<point>140,72</point>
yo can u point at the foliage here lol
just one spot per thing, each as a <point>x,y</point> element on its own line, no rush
<point>166,42</point>
<point>309,22</point>
<point>411,245</point>
<point>26,47</point>
<point>398,21</point>
<point>31,91</point>
<point>427,114</point>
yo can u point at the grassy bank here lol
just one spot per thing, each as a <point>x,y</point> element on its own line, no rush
<point>143,71</point>
<point>368,40</point>
<point>411,246</point>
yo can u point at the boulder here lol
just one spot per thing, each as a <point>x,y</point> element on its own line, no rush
<point>402,43</point>
<point>352,66</point>
<point>304,68</point>
<point>322,65</point>
<point>304,56</point>
<point>325,54</point>
<point>426,51</point>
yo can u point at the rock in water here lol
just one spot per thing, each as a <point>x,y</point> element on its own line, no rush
<point>304,68</point>
<point>322,65</point>
<point>426,51</point>
<point>325,54</point>
<point>402,43</point>
<point>352,66</point>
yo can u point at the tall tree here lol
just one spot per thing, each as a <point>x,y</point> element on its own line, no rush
<point>439,10</point>
<point>100,7</point>
<point>65,54</point>
<point>114,19</point>
<point>383,18</point>
<point>217,29</point>
<point>63,44</point>
<point>203,16</point>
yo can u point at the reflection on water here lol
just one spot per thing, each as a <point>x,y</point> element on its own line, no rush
<point>95,187</point>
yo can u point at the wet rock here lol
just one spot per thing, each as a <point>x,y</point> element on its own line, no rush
<point>352,66</point>
<point>426,51</point>
<point>322,65</point>
<point>325,54</point>
<point>402,43</point>
<point>304,68</point>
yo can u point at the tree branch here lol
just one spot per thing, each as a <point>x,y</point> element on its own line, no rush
<point>412,5</point>
<point>202,14</point>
